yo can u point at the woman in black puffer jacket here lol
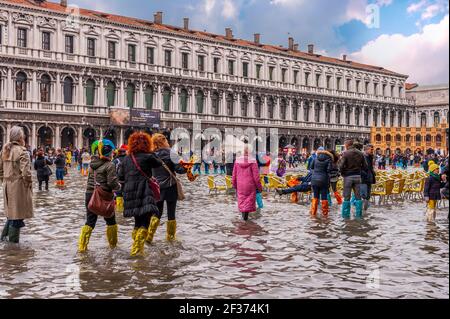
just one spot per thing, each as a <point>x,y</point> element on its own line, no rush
<point>139,200</point>
<point>40,165</point>
<point>320,181</point>
<point>167,183</point>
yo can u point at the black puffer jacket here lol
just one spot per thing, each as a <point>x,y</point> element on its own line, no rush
<point>321,169</point>
<point>137,194</point>
<point>105,175</point>
<point>368,173</point>
<point>352,162</point>
<point>432,188</point>
<point>39,165</point>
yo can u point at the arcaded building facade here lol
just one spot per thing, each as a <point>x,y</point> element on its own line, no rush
<point>63,69</point>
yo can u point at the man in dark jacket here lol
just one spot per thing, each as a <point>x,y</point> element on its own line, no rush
<point>367,176</point>
<point>351,164</point>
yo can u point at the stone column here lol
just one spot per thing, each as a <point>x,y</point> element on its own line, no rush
<point>58,137</point>
<point>311,112</point>
<point>9,86</point>
<point>222,104</point>
<point>175,107</point>
<point>352,115</point>
<point>237,106</point>
<point>251,107</point>
<point>207,105</point>
<point>80,137</point>
<point>34,88</point>
<point>322,112</point>
<point>101,132</point>
<point>301,111</point>
<point>79,92</point>
<point>158,97</point>
<point>333,113</point>
<point>58,95</point>
<point>121,137</point>
<point>8,131</point>
<point>192,102</point>
<point>370,117</point>
<point>121,95</point>
<point>101,93</point>
<point>277,110</point>
<point>33,136</point>
<point>289,116</point>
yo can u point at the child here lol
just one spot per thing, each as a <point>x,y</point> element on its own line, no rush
<point>432,191</point>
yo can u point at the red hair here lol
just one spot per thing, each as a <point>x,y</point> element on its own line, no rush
<point>140,142</point>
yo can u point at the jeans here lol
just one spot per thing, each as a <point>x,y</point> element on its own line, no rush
<point>85,166</point>
<point>60,174</point>
<point>352,183</point>
<point>302,188</point>
<point>171,208</point>
<point>91,218</point>
<point>320,192</point>
<point>334,186</point>
<point>365,191</point>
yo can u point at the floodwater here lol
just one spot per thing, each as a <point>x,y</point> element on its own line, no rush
<point>393,252</point>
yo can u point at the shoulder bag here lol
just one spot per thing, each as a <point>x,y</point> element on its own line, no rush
<point>102,202</point>
<point>152,183</point>
<point>180,191</point>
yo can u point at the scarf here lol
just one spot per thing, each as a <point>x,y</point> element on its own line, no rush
<point>435,176</point>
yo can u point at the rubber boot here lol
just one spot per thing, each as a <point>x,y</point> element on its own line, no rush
<point>4,235</point>
<point>346,205</point>
<point>119,205</point>
<point>171,230</point>
<point>338,197</point>
<point>62,184</point>
<point>330,203</point>
<point>154,223</point>
<point>133,234</point>
<point>85,235</point>
<point>325,208</point>
<point>359,208</point>
<point>314,206</point>
<point>137,249</point>
<point>111,235</point>
<point>13,234</point>
<point>244,216</point>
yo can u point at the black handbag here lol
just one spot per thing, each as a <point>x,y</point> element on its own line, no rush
<point>48,171</point>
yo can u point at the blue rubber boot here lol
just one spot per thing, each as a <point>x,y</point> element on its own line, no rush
<point>359,208</point>
<point>329,200</point>
<point>346,205</point>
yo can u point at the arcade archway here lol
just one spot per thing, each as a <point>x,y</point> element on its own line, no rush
<point>67,137</point>
<point>89,137</point>
<point>45,137</point>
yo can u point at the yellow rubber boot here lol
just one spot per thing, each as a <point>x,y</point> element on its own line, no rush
<point>85,235</point>
<point>133,234</point>
<point>154,223</point>
<point>111,235</point>
<point>137,249</point>
<point>171,230</point>
<point>119,205</point>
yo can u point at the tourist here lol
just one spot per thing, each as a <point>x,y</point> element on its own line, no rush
<point>68,158</point>
<point>135,173</point>
<point>60,163</point>
<point>304,186</point>
<point>432,190</point>
<point>246,182</point>
<point>350,166</point>
<point>320,180</point>
<point>85,162</point>
<point>102,172</point>
<point>368,176</point>
<point>166,177</point>
<point>41,165</point>
<point>15,176</point>
<point>334,177</point>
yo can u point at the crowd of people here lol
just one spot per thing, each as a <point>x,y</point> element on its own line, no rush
<point>140,178</point>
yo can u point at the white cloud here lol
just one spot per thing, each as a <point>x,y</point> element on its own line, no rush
<point>229,9</point>
<point>430,11</point>
<point>414,7</point>
<point>424,56</point>
<point>208,6</point>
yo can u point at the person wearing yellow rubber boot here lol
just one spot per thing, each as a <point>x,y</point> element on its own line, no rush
<point>103,172</point>
<point>320,180</point>
<point>165,175</point>
<point>135,172</point>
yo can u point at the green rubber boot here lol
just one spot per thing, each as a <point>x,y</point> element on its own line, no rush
<point>5,231</point>
<point>13,234</point>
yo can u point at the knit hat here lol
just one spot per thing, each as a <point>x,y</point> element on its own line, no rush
<point>432,167</point>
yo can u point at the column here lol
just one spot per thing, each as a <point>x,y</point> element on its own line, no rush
<point>79,92</point>
<point>322,112</point>
<point>121,95</point>
<point>101,132</point>
<point>208,103</point>
<point>276,111</point>
<point>8,132</point>
<point>379,114</point>
<point>361,116</point>
<point>370,116</point>
<point>251,107</point>
<point>57,137</point>
<point>222,104</point>
<point>33,136</point>
<point>192,102</point>
<point>9,87</point>
<point>352,115</point>
<point>158,98</point>
<point>175,107</point>
<point>80,137</point>
<point>311,112</point>
<point>101,93</point>
<point>301,107</point>
<point>34,88</point>
<point>58,94</point>
<point>333,113</point>
<point>289,110</point>
<point>121,136</point>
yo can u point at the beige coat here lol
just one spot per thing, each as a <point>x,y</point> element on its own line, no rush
<point>15,175</point>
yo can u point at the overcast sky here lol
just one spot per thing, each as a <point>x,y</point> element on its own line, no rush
<point>408,36</point>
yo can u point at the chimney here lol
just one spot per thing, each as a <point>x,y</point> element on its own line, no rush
<point>228,33</point>
<point>157,17</point>
<point>291,43</point>
<point>186,23</point>
<point>344,57</point>
<point>63,3</point>
<point>311,48</point>
<point>257,38</point>
<point>296,47</point>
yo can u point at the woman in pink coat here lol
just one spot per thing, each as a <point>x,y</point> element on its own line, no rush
<point>246,182</point>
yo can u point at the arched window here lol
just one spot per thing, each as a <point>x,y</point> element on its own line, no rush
<point>408,138</point>
<point>148,97</point>
<point>378,138</point>
<point>68,90</point>
<point>130,95</point>
<point>21,86</point>
<point>230,105</point>
<point>398,138</point>
<point>270,107</point>
<point>428,138</point>
<point>257,103</point>
<point>388,138</point>
<point>327,113</point>
<point>183,97</point>
<point>306,112</point>
<point>366,116</point>
<point>392,119</point>
<point>347,115</point>
<point>45,88</point>
<point>407,119</point>
<point>111,94</point>
<point>167,95</point>
<point>317,113</point>
<point>357,113</point>
<point>423,120</point>
<point>436,119</point>
<point>283,107</point>
<point>400,118</point>
<point>90,92</point>
<point>244,106</point>
<point>383,118</point>
<point>438,138</point>
<point>295,110</point>
<point>200,98</point>
<point>375,118</point>
<point>215,103</point>
<point>338,114</point>
<point>418,138</point>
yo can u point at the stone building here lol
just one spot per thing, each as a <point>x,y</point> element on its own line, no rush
<point>63,69</point>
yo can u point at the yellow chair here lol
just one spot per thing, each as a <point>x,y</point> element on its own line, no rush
<point>229,184</point>
<point>213,187</point>
<point>414,189</point>
<point>399,186</point>
<point>383,190</point>
<point>276,182</point>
